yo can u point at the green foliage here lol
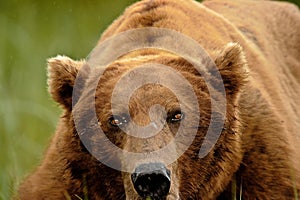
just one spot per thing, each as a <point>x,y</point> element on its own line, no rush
<point>32,31</point>
<point>297,2</point>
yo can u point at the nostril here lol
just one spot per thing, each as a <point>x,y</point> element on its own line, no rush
<point>152,180</point>
<point>153,185</point>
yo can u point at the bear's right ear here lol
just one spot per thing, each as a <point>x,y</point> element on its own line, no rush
<point>62,73</point>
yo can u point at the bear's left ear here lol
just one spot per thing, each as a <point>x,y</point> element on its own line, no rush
<point>233,68</point>
<point>62,73</point>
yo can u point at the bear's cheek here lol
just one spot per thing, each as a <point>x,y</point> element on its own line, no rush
<point>116,136</point>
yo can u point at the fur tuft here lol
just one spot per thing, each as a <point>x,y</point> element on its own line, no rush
<point>62,73</point>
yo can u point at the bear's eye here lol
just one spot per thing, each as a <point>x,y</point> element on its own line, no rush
<point>176,117</point>
<point>117,121</point>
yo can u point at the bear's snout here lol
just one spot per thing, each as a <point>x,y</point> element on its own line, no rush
<point>151,180</point>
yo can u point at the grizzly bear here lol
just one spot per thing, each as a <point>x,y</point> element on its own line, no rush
<point>150,116</point>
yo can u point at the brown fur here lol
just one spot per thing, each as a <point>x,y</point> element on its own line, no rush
<point>258,151</point>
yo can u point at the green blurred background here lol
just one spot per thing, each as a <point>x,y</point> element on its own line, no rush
<point>30,32</point>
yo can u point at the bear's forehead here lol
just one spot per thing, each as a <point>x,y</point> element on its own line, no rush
<point>142,57</point>
<point>115,81</point>
<point>143,95</point>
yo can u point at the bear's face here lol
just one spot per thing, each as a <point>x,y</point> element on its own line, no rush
<point>150,117</point>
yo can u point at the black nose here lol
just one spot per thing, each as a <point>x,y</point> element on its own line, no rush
<point>152,180</point>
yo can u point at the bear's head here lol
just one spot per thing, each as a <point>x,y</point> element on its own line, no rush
<point>122,123</point>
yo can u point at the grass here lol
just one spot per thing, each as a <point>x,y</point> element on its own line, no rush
<point>32,31</point>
